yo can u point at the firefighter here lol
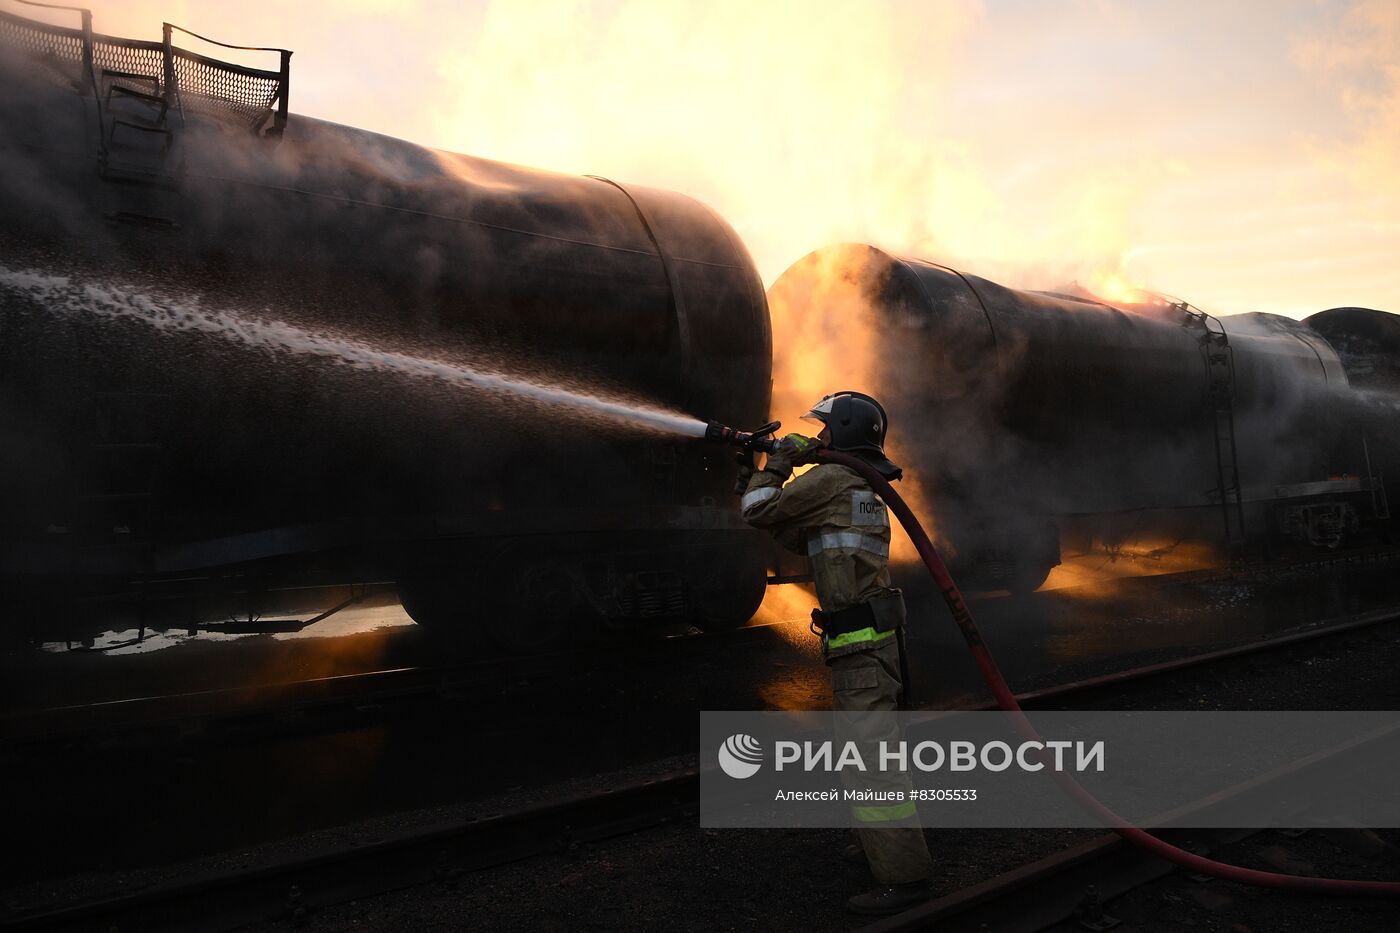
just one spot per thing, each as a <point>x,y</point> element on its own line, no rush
<point>831,514</point>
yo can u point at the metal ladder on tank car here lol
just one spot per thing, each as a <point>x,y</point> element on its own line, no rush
<point>1219,359</point>
<point>138,87</point>
<point>138,156</point>
<point>113,515</point>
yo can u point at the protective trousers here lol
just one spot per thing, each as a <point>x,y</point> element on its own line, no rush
<point>863,683</point>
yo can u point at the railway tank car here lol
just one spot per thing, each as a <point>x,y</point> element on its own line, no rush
<point>1035,418</point>
<point>1368,343</point>
<point>212,314</point>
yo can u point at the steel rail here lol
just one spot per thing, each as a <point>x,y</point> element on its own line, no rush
<point>290,887</point>
<point>1321,630</point>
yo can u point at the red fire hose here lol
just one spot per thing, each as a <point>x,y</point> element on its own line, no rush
<point>1006,699</point>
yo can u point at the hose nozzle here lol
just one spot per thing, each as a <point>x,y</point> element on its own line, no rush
<point>761,439</point>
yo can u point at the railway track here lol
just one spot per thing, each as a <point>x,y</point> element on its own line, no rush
<point>290,888</point>
<point>1070,884</point>
<point>1033,699</point>
<point>1051,888</point>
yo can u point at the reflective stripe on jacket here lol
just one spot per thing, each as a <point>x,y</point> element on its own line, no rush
<point>831,515</point>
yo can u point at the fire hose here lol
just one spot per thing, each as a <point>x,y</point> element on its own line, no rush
<point>1006,698</point>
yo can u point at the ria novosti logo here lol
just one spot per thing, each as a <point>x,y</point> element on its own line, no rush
<point>740,756</point>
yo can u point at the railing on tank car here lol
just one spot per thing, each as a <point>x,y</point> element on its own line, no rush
<point>183,79</point>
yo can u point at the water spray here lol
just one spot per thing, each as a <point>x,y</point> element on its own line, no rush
<point>68,297</point>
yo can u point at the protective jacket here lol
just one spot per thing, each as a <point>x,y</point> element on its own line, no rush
<point>833,516</point>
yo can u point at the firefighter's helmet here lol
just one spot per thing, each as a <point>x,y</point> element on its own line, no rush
<point>858,425</point>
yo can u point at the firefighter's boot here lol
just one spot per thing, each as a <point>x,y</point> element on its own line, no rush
<point>890,899</point>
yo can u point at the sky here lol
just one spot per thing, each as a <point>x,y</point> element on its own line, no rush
<point>1244,156</point>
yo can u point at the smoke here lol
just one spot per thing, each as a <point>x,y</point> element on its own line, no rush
<point>1028,419</point>
<point>829,335</point>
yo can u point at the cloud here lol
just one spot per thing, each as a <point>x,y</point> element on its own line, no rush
<point>1359,59</point>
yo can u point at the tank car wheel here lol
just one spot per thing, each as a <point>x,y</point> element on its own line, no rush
<point>514,608</point>
<point>1031,565</point>
<point>542,611</point>
<point>729,598</point>
<point>437,605</point>
<point>1026,577</point>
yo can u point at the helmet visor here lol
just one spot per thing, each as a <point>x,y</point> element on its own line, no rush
<point>819,412</point>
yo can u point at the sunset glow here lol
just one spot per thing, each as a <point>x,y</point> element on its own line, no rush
<point>1243,156</point>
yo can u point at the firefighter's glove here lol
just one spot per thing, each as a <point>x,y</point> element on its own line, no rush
<point>793,450</point>
<point>746,471</point>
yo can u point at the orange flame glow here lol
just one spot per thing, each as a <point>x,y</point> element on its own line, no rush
<point>1115,288</point>
<point>1091,571</point>
<point>824,341</point>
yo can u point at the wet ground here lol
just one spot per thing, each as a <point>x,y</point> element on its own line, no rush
<point>99,805</point>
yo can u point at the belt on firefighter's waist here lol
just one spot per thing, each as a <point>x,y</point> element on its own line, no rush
<point>882,613</point>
